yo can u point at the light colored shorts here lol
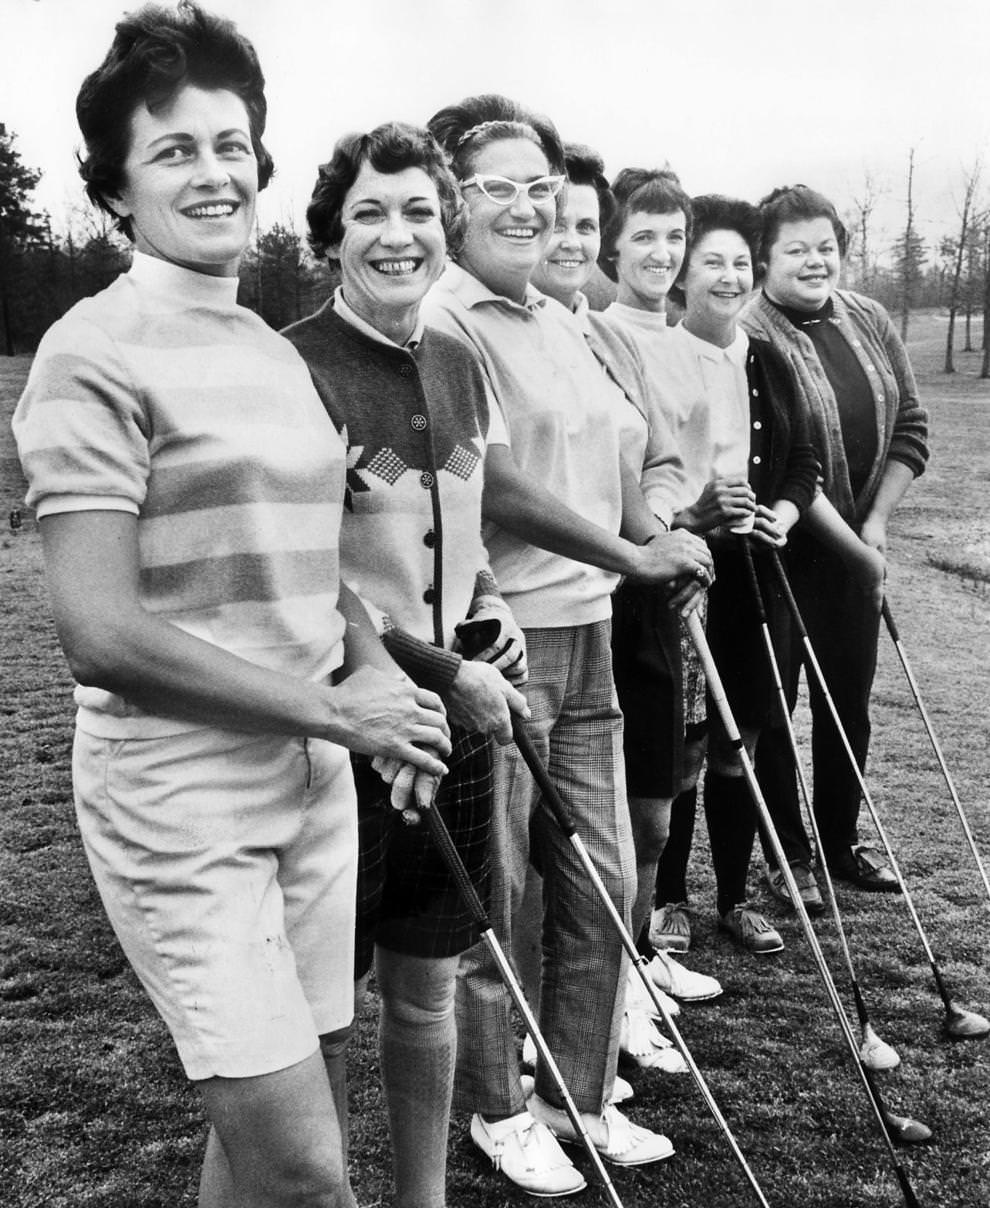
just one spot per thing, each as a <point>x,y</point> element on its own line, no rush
<point>226,863</point>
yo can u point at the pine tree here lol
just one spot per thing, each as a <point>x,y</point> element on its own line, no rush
<point>20,228</point>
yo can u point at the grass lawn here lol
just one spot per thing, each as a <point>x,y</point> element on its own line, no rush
<point>94,1112</point>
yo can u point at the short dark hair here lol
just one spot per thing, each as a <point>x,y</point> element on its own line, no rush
<point>463,129</point>
<point>641,191</point>
<point>389,148</point>
<point>796,203</point>
<point>586,167</point>
<point>713,212</point>
<point>156,51</point>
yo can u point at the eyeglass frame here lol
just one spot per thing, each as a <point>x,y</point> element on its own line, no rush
<point>480,178</point>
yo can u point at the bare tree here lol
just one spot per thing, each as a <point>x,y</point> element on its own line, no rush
<point>862,224</point>
<point>970,182</point>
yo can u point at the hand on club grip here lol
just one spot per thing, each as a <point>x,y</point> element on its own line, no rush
<point>674,556</point>
<point>412,789</point>
<point>480,699</point>
<point>504,642</point>
<point>385,714</point>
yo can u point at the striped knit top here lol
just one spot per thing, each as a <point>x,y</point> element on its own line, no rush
<point>164,398</point>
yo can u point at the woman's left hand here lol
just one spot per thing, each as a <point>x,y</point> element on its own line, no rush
<point>412,790</point>
<point>767,528</point>
<point>874,534</point>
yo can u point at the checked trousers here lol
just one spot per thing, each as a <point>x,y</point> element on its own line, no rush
<point>577,728</point>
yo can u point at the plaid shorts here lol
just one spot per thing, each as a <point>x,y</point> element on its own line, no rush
<point>407,900</point>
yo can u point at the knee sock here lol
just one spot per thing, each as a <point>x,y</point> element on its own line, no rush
<point>417,1061</point>
<point>731,820</point>
<point>672,866</point>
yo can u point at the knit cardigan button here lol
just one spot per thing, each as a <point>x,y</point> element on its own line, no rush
<point>426,480</point>
<point>418,423</point>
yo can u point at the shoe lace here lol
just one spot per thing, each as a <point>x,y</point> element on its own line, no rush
<point>527,1136</point>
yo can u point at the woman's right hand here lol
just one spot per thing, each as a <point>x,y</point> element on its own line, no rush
<point>383,713</point>
<point>671,556</point>
<point>724,501</point>
<point>480,699</point>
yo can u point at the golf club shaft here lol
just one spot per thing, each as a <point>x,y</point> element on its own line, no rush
<point>717,692</point>
<point>815,667</point>
<point>561,814</point>
<point>936,747</point>
<point>802,779</point>
<point>451,857</point>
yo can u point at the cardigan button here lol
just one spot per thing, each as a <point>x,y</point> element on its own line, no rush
<point>429,538</point>
<point>879,398</point>
<point>757,424</point>
<point>757,459</point>
<point>756,394</point>
<point>405,370</point>
<point>418,423</point>
<point>429,596</point>
<point>426,480</point>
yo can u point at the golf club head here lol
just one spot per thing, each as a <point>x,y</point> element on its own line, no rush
<point>877,1054</point>
<point>965,1025</point>
<point>906,1131</point>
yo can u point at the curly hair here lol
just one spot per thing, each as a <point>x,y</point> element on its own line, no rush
<point>156,51</point>
<point>713,212</point>
<point>796,203</point>
<point>641,191</point>
<point>464,129</point>
<point>391,147</point>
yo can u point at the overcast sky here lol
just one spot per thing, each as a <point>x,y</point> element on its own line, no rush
<point>739,95</point>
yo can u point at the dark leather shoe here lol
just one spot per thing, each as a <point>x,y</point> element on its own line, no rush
<point>865,868</point>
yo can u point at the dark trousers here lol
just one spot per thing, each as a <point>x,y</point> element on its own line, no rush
<point>843,627</point>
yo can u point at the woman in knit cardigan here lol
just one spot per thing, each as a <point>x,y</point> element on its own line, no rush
<point>870,433</point>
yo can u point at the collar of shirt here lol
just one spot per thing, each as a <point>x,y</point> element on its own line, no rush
<point>164,277</point>
<point>349,315</point>
<point>471,292</point>
<point>735,354</point>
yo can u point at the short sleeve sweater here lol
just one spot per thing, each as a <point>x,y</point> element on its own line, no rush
<point>559,409</point>
<point>415,422</point>
<point>162,397</point>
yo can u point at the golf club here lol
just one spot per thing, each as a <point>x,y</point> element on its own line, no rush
<point>900,1124</point>
<point>874,1052</point>
<point>959,1023</point>
<point>913,684</point>
<point>553,802</point>
<point>451,857</point>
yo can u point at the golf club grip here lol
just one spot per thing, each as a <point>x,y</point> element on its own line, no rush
<point>531,758</point>
<point>754,581</point>
<point>455,865</point>
<point>789,595</point>
<point>888,617</point>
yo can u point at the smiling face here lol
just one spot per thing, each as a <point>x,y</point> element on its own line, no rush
<point>504,244</point>
<point>191,179</point>
<point>572,252</point>
<point>717,282</point>
<point>648,255</point>
<point>393,247</point>
<point>804,264</point>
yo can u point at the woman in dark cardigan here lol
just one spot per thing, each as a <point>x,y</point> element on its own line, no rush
<point>752,469</point>
<point>870,431</point>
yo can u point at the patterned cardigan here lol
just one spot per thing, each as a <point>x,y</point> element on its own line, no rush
<point>902,422</point>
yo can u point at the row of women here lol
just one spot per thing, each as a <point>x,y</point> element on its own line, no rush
<point>301,580</point>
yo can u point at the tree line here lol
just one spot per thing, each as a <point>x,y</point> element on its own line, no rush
<point>43,271</point>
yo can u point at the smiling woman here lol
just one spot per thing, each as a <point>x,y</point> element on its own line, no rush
<point>191,179</point>
<point>411,404</point>
<point>189,488</point>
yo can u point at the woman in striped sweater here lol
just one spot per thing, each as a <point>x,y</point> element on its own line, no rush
<point>188,487</point>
